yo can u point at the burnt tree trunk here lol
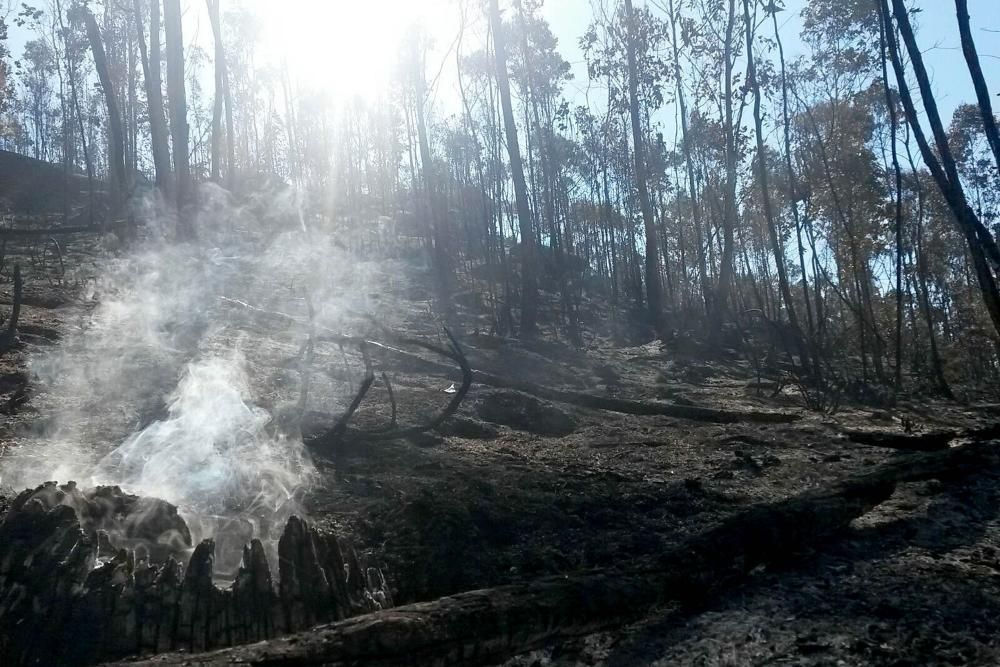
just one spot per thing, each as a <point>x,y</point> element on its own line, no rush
<point>765,193</point>
<point>706,292</point>
<point>529,277</point>
<point>220,68</point>
<point>982,246</point>
<point>654,298</point>
<point>178,114</point>
<point>154,93</point>
<point>978,80</point>
<point>729,216</point>
<point>116,148</point>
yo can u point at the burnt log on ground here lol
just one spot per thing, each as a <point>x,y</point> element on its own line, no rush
<point>487,626</point>
<point>90,576</point>
<point>49,231</point>
<point>921,442</point>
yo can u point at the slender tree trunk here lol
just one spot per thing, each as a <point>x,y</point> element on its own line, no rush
<point>765,192</point>
<point>729,210</point>
<point>529,279</point>
<point>154,93</point>
<point>441,259</point>
<point>133,114</point>
<point>178,114</point>
<point>898,210</point>
<point>294,161</point>
<point>689,164</point>
<point>945,173</point>
<point>937,368</point>
<point>116,148</point>
<point>654,298</point>
<point>88,163</point>
<point>66,153</point>
<point>793,191</point>
<point>220,69</point>
<point>978,80</point>
<point>227,94</point>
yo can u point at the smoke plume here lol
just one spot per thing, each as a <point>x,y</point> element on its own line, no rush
<point>161,388</point>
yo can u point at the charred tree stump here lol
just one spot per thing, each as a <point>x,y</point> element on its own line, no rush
<point>69,596</point>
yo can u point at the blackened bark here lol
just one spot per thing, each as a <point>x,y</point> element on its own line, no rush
<point>529,278</point>
<point>116,149</point>
<point>978,80</point>
<point>654,298</point>
<point>178,114</point>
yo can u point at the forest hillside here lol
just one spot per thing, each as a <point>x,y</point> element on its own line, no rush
<point>499,332</point>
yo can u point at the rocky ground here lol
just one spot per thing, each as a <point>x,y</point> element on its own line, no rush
<point>515,487</point>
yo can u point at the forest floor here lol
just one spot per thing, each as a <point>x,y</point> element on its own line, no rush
<point>915,582</point>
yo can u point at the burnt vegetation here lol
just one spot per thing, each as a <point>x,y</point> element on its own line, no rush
<point>653,344</point>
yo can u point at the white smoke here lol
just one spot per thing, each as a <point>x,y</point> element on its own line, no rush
<point>211,453</point>
<point>151,387</point>
<point>214,459</point>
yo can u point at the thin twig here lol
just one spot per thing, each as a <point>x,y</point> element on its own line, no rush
<point>458,355</point>
<point>308,352</point>
<point>392,398</point>
<point>337,432</point>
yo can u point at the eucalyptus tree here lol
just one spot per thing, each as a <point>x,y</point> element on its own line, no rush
<point>982,246</point>
<point>674,7</point>
<point>622,50</point>
<point>540,72</point>
<point>978,80</point>
<point>150,59</point>
<point>654,301</point>
<point>37,65</point>
<point>777,246</point>
<point>223,97</point>
<point>529,279</point>
<point>116,135</point>
<point>179,129</point>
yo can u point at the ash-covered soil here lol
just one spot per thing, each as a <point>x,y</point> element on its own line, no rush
<point>916,582</point>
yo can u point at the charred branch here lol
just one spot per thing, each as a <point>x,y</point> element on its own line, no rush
<point>392,399</point>
<point>335,436</point>
<point>337,432</point>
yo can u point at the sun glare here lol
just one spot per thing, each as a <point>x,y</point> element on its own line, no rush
<point>348,48</point>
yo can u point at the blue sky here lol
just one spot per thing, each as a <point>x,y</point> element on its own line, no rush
<point>938,37</point>
<point>367,33</point>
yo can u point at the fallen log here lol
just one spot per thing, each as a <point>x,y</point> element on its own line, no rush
<point>921,442</point>
<point>486,626</point>
<point>49,231</point>
<point>579,399</point>
<point>633,407</point>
